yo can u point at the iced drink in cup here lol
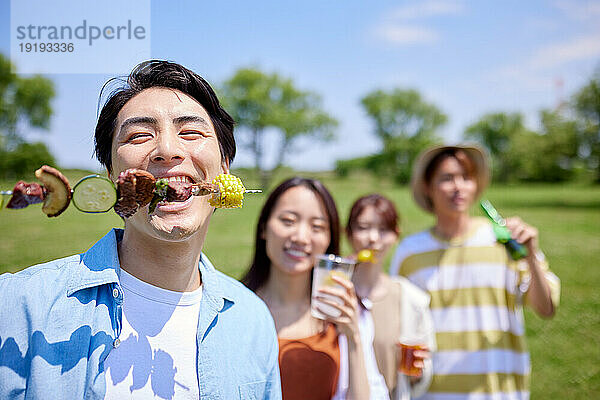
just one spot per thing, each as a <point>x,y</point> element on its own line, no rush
<point>413,337</point>
<point>406,358</point>
<point>328,266</point>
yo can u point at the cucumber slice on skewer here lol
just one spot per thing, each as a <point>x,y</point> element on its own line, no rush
<point>4,199</point>
<point>94,194</point>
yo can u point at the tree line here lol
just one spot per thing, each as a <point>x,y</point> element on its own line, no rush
<point>566,145</point>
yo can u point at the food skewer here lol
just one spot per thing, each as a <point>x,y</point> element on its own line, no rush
<point>134,189</point>
<point>366,256</point>
<point>55,193</point>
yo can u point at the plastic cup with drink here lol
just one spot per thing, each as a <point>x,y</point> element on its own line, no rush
<point>413,338</point>
<point>407,357</point>
<point>327,267</point>
<point>408,348</point>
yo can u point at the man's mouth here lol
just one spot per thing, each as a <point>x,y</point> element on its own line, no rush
<point>458,198</point>
<point>177,178</point>
<point>176,204</point>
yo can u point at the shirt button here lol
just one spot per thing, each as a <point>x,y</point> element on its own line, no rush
<point>115,293</point>
<point>116,343</point>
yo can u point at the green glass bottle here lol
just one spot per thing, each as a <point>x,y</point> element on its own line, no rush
<point>514,248</point>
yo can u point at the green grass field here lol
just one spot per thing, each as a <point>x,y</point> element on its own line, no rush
<point>565,350</point>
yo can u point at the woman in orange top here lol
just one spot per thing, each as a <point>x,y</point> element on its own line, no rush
<point>298,222</point>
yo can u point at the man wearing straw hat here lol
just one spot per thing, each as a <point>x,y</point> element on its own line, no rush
<point>477,290</point>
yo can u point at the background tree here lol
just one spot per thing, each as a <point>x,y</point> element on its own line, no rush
<point>586,103</point>
<point>259,101</point>
<point>519,154</point>
<point>406,124</point>
<point>23,101</point>
<point>550,157</point>
<point>499,132</point>
<point>23,160</point>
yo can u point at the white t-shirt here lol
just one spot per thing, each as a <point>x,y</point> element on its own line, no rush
<point>377,388</point>
<point>157,355</point>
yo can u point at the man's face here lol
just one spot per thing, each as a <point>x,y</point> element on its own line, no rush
<point>169,134</point>
<point>451,190</point>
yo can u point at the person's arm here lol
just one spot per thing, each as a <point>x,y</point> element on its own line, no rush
<point>377,386</point>
<point>358,382</point>
<point>273,386</point>
<point>539,294</point>
<point>347,324</point>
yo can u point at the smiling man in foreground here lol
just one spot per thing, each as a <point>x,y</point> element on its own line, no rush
<point>143,313</point>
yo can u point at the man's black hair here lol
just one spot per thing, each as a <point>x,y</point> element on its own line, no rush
<point>159,73</point>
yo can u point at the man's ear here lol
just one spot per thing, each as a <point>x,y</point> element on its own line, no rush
<point>427,190</point>
<point>225,166</point>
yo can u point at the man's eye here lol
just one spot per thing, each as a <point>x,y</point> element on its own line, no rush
<point>139,137</point>
<point>191,133</point>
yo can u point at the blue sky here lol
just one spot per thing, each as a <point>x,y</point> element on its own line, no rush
<point>468,58</point>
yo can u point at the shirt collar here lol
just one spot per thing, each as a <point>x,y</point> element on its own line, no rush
<point>212,289</point>
<point>365,303</point>
<point>97,266</point>
<point>100,266</point>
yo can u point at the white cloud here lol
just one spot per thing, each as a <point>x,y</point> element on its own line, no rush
<point>405,25</point>
<point>545,65</point>
<point>557,54</point>
<point>429,8</point>
<point>405,34</point>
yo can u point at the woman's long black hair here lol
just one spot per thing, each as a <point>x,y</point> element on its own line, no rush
<point>258,273</point>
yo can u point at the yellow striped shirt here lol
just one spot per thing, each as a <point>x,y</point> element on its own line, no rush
<point>477,292</point>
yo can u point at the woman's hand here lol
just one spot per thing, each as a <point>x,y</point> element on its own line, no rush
<point>343,299</point>
<point>419,357</point>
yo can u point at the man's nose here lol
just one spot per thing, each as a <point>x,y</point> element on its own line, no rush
<point>168,149</point>
<point>459,182</point>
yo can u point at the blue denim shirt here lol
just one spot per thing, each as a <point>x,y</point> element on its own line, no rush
<point>60,320</point>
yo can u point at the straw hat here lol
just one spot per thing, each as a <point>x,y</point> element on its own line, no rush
<point>477,155</point>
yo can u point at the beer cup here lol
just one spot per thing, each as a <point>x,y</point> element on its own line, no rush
<point>406,357</point>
